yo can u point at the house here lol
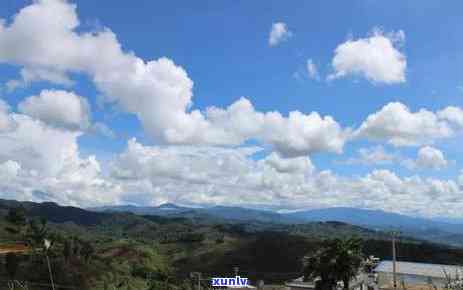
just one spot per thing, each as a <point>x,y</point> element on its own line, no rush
<point>415,274</point>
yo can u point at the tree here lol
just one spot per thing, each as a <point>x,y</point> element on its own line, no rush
<point>77,247</point>
<point>16,218</point>
<point>339,260</point>
<point>321,266</point>
<point>349,259</point>
<point>67,250</point>
<point>37,233</point>
<point>11,264</point>
<point>87,251</point>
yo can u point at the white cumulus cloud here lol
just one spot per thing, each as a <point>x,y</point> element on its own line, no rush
<point>452,114</point>
<point>376,155</point>
<point>9,169</point>
<point>428,158</point>
<point>312,70</point>
<point>58,108</point>
<point>294,135</point>
<point>212,175</point>
<point>397,125</point>
<point>279,33</point>
<point>41,160</point>
<point>376,58</point>
<point>6,122</point>
<point>42,38</point>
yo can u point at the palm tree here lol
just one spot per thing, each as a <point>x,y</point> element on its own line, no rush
<point>349,259</point>
<point>338,260</point>
<point>37,233</point>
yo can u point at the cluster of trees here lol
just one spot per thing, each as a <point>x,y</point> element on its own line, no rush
<point>185,237</point>
<point>42,249</point>
<point>338,260</point>
<point>31,233</point>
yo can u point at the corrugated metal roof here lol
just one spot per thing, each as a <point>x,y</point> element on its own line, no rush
<point>420,269</point>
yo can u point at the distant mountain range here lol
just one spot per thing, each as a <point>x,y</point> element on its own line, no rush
<point>434,230</point>
<point>376,219</point>
<point>218,212</point>
<point>419,228</point>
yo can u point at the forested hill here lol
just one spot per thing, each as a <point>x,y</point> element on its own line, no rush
<point>121,247</point>
<point>419,228</point>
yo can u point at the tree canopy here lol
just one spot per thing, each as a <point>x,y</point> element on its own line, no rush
<point>338,260</point>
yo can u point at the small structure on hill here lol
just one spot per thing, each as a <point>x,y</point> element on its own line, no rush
<point>299,284</point>
<point>357,283</point>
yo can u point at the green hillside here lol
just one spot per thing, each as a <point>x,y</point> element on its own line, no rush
<point>96,250</point>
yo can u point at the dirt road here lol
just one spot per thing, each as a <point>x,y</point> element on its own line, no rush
<point>14,248</point>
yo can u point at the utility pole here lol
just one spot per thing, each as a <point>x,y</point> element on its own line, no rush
<point>198,275</point>
<point>394,259</point>
<point>236,269</point>
<point>49,271</point>
<point>47,245</point>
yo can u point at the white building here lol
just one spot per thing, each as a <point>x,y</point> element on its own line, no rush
<point>299,284</point>
<point>357,283</point>
<point>416,274</point>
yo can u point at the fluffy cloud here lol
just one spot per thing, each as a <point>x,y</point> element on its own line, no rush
<point>295,135</point>
<point>158,92</point>
<point>428,158</point>
<point>290,165</point>
<point>9,169</point>
<point>58,108</point>
<point>454,115</point>
<point>29,75</point>
<point>229,176</point>
<point>46,165</point>
<point>398,126</point>
<point>373,156</point>
<point>376,58</point>
<point>279,33</point>
<point>5,120</point>
<point>213,175</point>
<point>414,194</point>
<point>40,162</point>
<point>37,146</point>
<point>312,70</point>
<point>42,38</point>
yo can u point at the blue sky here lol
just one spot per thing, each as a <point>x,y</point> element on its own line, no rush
<point>370,58</point>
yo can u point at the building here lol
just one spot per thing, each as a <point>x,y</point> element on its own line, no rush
<point>299,284</point>
<point>416,274</point>
<point>357,283</point>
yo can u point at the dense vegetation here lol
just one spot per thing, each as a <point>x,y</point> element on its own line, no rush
<point>93,250</point>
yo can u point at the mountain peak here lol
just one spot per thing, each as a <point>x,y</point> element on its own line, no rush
<point>168,206</point>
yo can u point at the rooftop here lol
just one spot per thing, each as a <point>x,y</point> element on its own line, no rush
<point>420,269</point>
